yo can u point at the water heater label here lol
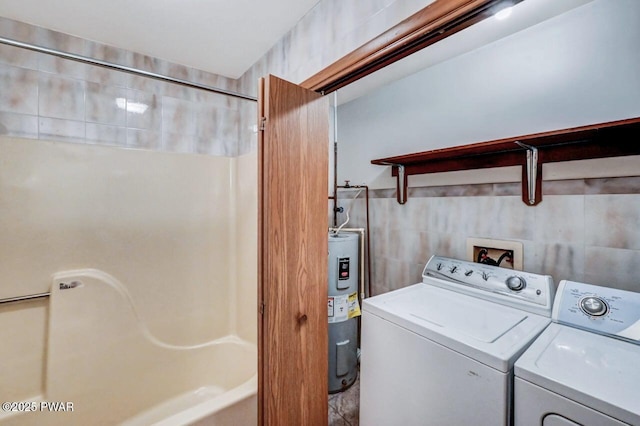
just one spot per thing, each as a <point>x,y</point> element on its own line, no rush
<point>343,268</point>
<point>343,307</point>
<point>354,306</point>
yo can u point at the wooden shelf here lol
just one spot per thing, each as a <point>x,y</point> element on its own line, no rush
<point>612,139</point>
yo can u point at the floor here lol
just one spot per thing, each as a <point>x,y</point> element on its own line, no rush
<point>344,407</point>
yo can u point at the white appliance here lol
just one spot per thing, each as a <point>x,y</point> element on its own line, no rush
<point>585,368</point>
<point>441,352</point>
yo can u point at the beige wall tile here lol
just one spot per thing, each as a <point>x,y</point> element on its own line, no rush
<point>560,219</point>
<point>18,125</point>
<point>61,97</point>
<point>613,221</point>
<point>19,92</point>
<point>46,86</point>
<point>54,129</point>
<point>612,267</point>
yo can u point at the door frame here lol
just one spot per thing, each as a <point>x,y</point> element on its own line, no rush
<point>437,21</point>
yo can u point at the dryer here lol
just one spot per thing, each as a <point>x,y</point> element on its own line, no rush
<point>441,352</point>
<point>584,369</point>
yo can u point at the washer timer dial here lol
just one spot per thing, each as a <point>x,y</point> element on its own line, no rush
<point>516,283</point>
<point>593,306</point>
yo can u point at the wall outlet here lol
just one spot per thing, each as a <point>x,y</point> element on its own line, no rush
<point>506,254</point>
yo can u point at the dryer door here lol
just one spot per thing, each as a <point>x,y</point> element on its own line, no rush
<point>556,420</point>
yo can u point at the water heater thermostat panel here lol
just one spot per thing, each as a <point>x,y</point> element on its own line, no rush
<point>343,268</point>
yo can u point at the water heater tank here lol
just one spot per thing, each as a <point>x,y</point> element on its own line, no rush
<point>343,310</point>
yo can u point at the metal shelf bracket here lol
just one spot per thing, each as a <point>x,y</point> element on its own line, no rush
<point>401,185</point>
<point>401,181</point>
<point>532,178</point>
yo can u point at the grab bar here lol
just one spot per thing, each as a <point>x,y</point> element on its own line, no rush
<point>27,297</point>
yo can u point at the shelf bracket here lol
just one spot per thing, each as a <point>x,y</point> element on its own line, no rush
<point>401,181</point>
<point>531,176</point>
<point>401,185</point>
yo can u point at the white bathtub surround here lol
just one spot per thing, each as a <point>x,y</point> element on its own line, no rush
<point>205,406</point>
<point>102,357</point>
<point>160,222</point>
<point>23,326</point>
<point>164,318</point>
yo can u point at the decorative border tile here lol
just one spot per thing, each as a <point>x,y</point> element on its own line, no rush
<point>621,185</point>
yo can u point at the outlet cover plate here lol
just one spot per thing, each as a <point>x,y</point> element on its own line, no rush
<point>495,249</point>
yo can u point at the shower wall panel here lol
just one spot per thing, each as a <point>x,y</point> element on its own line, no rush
<point>158,222</point>
<point>246,216</point>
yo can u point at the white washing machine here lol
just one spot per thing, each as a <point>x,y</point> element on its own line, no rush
<point>441,352</point>
<point>585,368</point>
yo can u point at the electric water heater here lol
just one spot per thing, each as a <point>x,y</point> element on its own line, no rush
<point>343,309</point>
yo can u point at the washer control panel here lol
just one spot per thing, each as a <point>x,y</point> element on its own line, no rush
<point>492,282</point>
<point>594,306</point>
<point>598,309</point>
<point>516,283</point>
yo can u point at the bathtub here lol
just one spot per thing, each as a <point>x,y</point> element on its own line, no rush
<point>103,360</point>
<point>209,405</point>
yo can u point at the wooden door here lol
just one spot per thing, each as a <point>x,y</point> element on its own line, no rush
<point>293,247</point>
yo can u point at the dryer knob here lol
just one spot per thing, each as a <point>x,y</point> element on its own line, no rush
<point>516,283</point>
<point>594,306</point>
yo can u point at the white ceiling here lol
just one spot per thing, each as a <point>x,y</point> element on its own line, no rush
<point>525,14</point>
<point>223,37</point>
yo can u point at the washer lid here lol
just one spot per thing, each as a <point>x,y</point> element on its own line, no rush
<point>488,332</point>
<point>597,371</point>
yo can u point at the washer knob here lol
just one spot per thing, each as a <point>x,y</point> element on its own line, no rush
<point>516,283</point>
<point>594,306</point>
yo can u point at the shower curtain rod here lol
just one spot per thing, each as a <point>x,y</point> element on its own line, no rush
<point>105,64</point>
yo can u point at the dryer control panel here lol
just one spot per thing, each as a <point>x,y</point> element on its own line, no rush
<point>519,289</point>
<point>598,309</point>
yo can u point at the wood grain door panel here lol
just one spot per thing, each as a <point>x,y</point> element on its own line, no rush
<point>293,255</point>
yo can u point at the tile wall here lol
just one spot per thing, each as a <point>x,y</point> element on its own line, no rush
<point>52,98</point>
<point>584,229</point>
<point>328,32</point>
<point>49,98</point>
